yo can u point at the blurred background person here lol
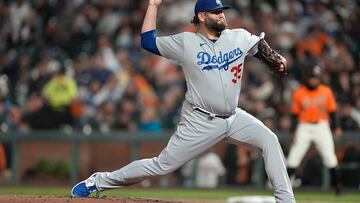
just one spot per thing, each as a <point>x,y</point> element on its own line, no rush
<point>313,109</point>
<point>203,172</point>
<point>58,94</point>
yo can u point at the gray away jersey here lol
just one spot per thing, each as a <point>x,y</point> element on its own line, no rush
<point>212,70</point>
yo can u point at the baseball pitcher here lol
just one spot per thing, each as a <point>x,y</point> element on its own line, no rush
<point>213,62</point>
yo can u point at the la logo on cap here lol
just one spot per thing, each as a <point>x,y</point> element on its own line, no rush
<point>218,2</point>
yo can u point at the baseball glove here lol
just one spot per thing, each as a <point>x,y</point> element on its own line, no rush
<point>276,62</point>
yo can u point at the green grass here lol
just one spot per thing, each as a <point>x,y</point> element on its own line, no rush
<point>218,194</point>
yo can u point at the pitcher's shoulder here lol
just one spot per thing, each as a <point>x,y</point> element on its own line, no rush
<point>190,34</point>
<point>237,31</point>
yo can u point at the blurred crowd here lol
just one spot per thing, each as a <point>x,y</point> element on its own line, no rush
<point>79,63</point>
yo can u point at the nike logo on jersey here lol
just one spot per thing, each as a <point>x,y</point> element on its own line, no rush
<point>202,44</point>
<point>221,61</point>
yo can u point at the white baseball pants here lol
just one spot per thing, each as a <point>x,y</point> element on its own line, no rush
<point>196,133</point>
<point>321,135</point>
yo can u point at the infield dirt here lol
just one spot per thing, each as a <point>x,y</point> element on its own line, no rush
<point>67,199</point>
<point>59,199</point>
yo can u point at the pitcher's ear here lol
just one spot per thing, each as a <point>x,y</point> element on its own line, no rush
<point>201,16</point>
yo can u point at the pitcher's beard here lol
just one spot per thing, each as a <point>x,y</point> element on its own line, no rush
<point>215,26</point>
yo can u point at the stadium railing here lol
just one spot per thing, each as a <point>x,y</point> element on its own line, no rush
<point>134,139</point>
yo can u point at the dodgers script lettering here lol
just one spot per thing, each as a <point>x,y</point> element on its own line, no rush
<point>222,61</point>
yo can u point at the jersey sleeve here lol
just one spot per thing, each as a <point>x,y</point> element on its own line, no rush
<point>148,42</point>
<point>250,41</point>
<point>171,47</point>
<point>254,40</point>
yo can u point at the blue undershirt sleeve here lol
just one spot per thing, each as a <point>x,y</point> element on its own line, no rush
<point>148,42</point>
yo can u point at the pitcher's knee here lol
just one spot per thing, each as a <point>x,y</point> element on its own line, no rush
<point>270,141</point>
<point>164,166</point>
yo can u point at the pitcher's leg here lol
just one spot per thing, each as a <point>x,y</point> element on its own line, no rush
<point>248,129</point>
<point>132,173</point>
<point>138,170</point>
<point>195,134</point>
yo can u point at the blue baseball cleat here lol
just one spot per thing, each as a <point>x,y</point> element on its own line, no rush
<point>85,188</point>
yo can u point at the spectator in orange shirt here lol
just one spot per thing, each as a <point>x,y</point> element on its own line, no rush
<point>313,42</point>
<point>313,105</point>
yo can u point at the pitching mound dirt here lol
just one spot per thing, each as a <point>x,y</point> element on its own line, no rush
<point>59,199</point>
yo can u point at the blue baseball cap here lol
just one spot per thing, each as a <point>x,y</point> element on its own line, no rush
<point>208,5</point>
